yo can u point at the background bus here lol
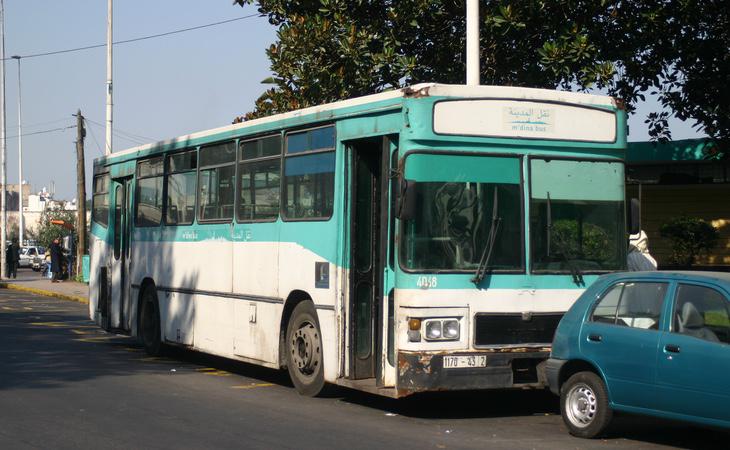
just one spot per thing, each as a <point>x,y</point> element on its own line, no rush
<point>420,239</point>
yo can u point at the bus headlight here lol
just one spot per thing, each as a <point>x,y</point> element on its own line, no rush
<point>451,329</point>
<point>442,329</point>
<point>433,330</point>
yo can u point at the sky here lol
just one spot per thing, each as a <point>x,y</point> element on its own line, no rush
<point>163,87</point>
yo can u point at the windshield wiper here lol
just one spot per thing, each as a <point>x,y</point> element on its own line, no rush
<point>574,270</point>
<point>487,253</point>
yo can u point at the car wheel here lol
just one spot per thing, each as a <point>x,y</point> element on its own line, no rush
<point>304,350</point>
<point>149,322</point>
<point>584,405</point>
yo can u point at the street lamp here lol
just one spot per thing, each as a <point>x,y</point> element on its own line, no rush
<point>20,159</point>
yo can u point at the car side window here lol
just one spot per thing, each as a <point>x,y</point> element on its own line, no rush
<point>702,312</point>
<point>632,304</point>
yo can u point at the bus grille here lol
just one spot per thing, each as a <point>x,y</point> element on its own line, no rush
<point>515,329</point>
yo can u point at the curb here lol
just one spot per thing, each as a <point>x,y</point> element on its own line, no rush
<point>20,287</point>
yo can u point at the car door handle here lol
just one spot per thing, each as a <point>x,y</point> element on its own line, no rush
<point>595,337</point>
<point>672,348</point>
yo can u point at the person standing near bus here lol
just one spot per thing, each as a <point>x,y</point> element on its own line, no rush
<point>56,255</point>
<point>12,258</point>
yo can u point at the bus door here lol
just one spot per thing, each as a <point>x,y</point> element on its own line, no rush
<point>368,228</point>
<point>119,257</point>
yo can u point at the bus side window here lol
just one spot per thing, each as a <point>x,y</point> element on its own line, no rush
<point>309,174</point>
<point>259,173</point>
<point>216,182</point>
<point>149,193</point>
<point>100,200</point>
<point>181,179</point>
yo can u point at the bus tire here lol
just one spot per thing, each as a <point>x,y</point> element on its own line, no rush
<point>149,322</point>
<point>304,358</point>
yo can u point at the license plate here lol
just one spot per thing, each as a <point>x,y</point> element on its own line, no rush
<point>463,362</point>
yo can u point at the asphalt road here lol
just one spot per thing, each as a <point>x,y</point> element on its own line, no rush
<point>66,384</point>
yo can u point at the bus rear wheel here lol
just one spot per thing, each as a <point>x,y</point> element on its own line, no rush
<point>149,322</point>
<point>304,358</point>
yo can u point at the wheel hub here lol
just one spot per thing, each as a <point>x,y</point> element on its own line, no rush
<point>582,406</point>
<point>304,347</point>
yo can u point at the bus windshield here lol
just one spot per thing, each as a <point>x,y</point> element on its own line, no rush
<point>577,216</point>
<point>461,200</point>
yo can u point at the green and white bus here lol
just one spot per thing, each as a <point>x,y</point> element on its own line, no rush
<point>426,238</point>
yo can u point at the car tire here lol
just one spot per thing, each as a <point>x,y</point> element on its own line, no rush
<point>304,356</point>
<point>584,405</point>
<point>149,322</point>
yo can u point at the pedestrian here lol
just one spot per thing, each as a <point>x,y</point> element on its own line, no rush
<point>12,257</point>
<point>56,258</point>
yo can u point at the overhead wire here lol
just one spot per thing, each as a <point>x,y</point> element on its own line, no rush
<point>41,132</point>
<point>127,41</point>
<point>122,133</point>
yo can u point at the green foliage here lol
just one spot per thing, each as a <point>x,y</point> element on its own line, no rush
<point>47,232</point>
<point>690,238</point>
<point>329,50</point>
<point>596,244</point>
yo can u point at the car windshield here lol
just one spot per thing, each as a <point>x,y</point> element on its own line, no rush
<point>460,201</point>
<point>577,216</point>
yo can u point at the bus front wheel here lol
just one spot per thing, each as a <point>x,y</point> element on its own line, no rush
<point>149,322</point>
<point>304,350</point>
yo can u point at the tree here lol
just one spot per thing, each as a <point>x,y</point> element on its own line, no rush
<point>46,231</point>
<point>334,49</point>
<point>690,238</point>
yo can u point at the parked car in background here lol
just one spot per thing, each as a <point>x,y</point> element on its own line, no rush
<point>28,253</point>
<point>655,343</point>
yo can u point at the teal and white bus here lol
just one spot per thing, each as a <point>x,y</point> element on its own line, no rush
<point>426,238</point>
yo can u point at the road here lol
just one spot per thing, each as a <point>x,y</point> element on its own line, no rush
<point>66,384</point>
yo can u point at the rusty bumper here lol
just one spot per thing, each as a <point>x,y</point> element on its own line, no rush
<point>514,368</point>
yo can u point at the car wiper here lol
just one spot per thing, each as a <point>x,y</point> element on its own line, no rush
<point>487,253</point>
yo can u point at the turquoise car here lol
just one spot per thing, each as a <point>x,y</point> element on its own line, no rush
<point>655,343</point>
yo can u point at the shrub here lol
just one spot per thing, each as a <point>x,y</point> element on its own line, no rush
<point>690,237</point>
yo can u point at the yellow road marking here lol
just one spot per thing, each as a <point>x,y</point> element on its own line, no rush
<point>252,386</point>
<point>212,371</point>
<point>94,339</point>
<point>51,324</point>
<point>83,332</point>
<point>9,308</point>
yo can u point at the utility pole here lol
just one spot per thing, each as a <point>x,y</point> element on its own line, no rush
<point>472,42</point>
<point>20,159</point>
<point>109,88</point>
<point>80,191</point>
<point>3,147</point>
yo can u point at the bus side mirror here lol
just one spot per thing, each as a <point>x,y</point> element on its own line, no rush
<point>406,205</point>
<point>634,216</point>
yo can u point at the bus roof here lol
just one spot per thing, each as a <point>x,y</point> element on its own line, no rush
<point>415,91</point>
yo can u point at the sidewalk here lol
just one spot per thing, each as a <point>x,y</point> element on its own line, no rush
<point>30,281</point>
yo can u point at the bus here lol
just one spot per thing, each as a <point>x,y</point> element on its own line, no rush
<point>424,238</point>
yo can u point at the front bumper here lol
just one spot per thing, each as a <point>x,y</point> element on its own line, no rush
<point>506,368</point>
<point>552,373</point>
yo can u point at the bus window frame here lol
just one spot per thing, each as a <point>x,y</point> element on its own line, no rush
<point>283,198</point>
<point>106,193</point>
<point>523,250</point>
<point>240,160</point>
<point>529,198</point>
<point>137,187</point>
<point>198,218</point>
<point>166,172</point>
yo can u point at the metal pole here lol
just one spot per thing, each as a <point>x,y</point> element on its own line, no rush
<point>3,146</point>
<point>20,160</point>
<point>472,42</point>
<point>109,99</point>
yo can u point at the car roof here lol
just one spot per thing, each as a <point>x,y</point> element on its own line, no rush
<point>679,275</point>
